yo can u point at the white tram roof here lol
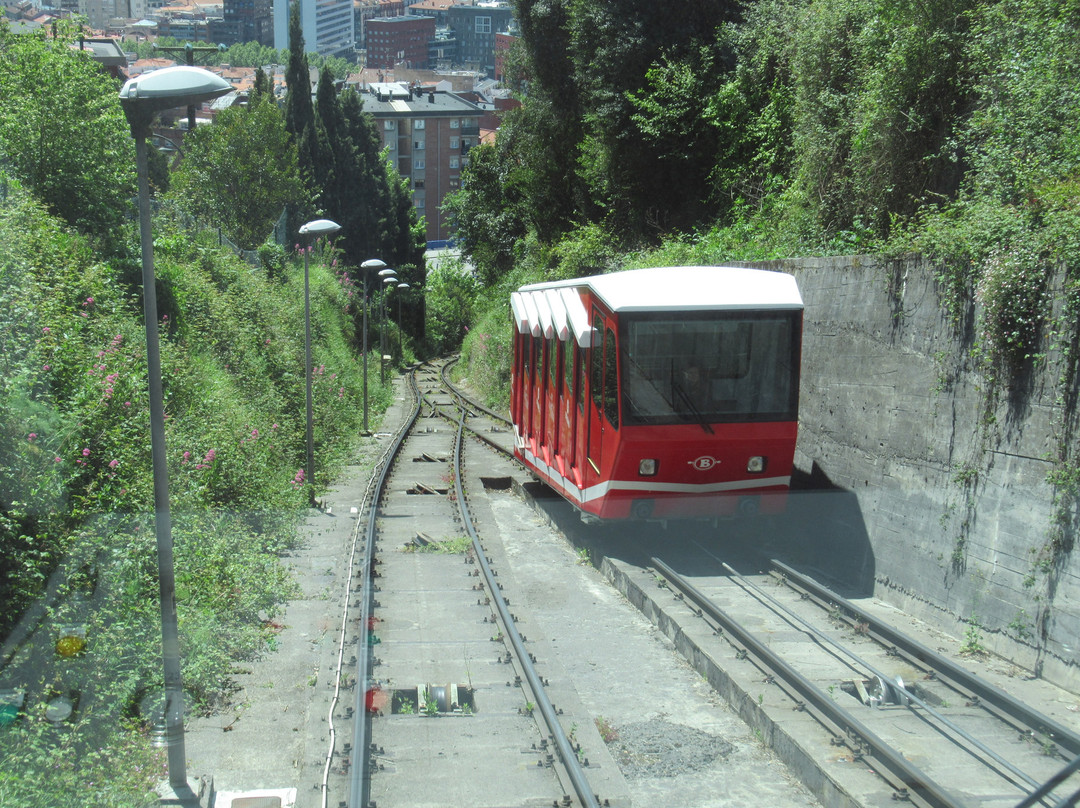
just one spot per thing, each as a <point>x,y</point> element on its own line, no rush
<point>537,308</point>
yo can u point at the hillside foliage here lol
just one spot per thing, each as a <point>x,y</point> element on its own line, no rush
<point>77,536</point>
<point>786,128</point>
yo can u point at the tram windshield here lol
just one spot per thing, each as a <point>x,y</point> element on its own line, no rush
<point>711,367</point>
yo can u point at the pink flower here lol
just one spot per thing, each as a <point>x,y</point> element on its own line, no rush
<point>89,301</point>
<point>187,457</point>
<point>254,433</point>
<point>86,452</point>
<point>47,368</point>
<point>127,403</point>
<point>45,330</point>
<point>210,456</point>
<point>57,460</point>
<point>31,436</point>
<point>114,463</point>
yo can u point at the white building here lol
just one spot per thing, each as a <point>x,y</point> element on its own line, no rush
<point>327,26</point>
<point>100,13</point>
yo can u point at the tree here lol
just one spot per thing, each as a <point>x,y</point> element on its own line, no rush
<point>488,211</point>
<point>299,111</point>
<point>240,172</point>
<point>62,130</point>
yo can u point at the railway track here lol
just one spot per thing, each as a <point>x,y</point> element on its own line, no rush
<point>936,734</point>
<point>448,709</point>
<point>448,705</point>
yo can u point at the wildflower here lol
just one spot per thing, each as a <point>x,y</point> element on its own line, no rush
<point>254,433</point>
<point>114,463</point>
<point>47,368</point>
<point>57,460</point>
<point>45,330</point>
<point>31,436</point>
<point>127,403</point>
<point>89,301</point>
<point>187,457</point>
<point>86,452</point>
<point>210,455</point>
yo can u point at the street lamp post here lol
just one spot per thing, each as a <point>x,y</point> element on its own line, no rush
<point>389,276</point>
<point>142,98</point>
<point>319,227</point>
<point>371,265</point>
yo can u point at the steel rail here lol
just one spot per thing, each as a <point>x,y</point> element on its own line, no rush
<point>567,753</point>
<point>1064,774</point>
<point>360,760</point>
<point>887,683</point>
<point>994,698</point>
<point>471,401</point>
<point>917,784</point>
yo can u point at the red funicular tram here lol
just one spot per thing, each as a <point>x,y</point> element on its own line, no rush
<point>661,393</point>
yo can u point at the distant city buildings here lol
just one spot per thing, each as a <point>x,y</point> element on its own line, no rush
<point>430,81</point>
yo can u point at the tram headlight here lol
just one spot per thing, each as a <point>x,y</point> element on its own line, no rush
<point>648,466</point>
<point>756,464</point>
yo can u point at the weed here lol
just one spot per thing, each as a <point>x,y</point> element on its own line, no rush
<point>608,733</point>
<point>431,706</point>
<point>972,645</point>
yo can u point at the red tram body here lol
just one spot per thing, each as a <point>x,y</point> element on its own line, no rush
<point>663,393</point>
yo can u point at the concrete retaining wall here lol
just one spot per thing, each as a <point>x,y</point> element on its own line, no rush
<point>951,487</point>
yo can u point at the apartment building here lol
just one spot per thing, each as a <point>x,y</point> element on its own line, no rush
<point>401,40</point>
<point>327,26</point>
<point>429,133</point>
<point>476,28</point>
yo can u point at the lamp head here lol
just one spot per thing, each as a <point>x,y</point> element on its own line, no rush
<point>319,227</point>
<point>169,88</point>
<point>372,263</point>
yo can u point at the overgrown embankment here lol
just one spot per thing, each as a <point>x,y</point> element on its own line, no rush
<point>77,550</point>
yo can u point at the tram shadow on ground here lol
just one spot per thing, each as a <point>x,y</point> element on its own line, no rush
<point>822,533</point>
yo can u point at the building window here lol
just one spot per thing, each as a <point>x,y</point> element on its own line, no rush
<point>454,123</point>
<point>483,25</point>
<point>420,204</point>
<point>453,162</point>
<point>418,145</point>
<point>418,124</point>
<point>389,126</point>
<point>418,165</point>
<point>418,184</point>
<point>454,143</point>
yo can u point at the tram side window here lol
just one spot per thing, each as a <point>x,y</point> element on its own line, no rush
<point>611,380</point>
<point>580,366</point>
<point>568,366</point>
<point>596,365</point>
